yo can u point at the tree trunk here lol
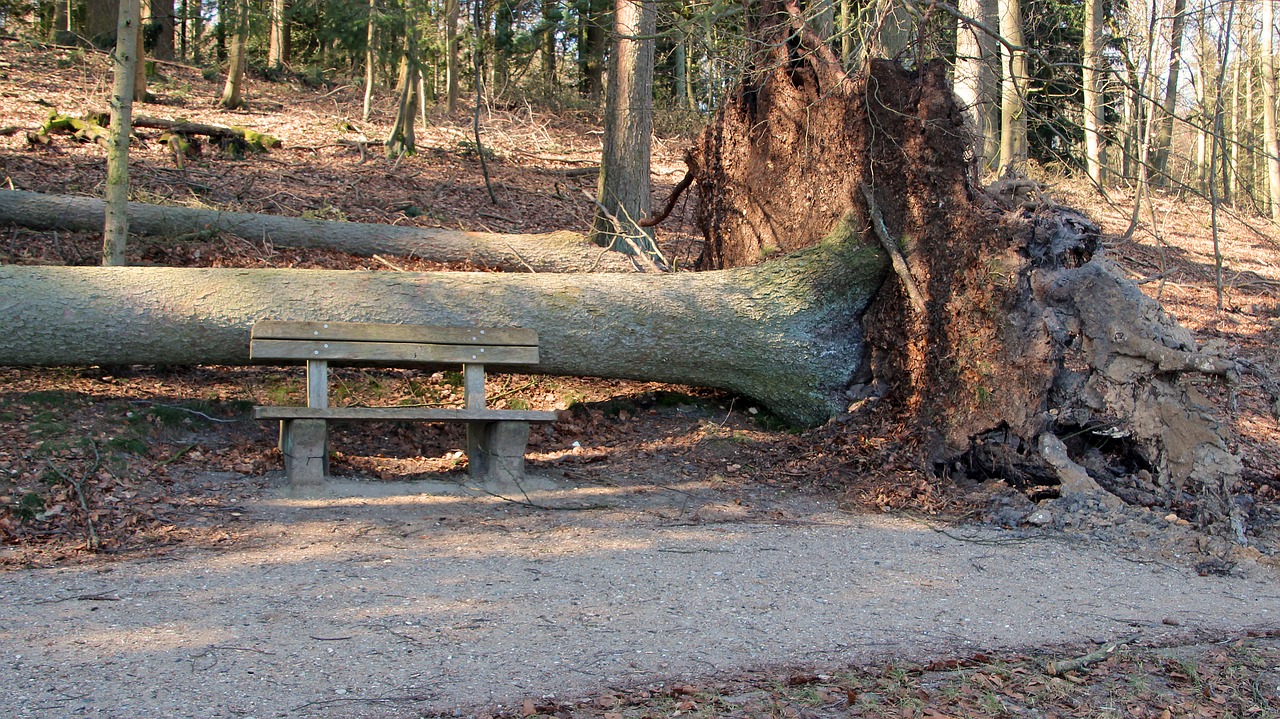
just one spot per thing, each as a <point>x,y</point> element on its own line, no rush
<point>115,235</point>
<point>762,331</point>
<point>552,16</point>
<point>895,28</point>
<point>451,59</point>
<point>1164,130</point>
<point>977,80</point>
<point>1095,144</point>
<point>161,25</point>
<point>504,44</point>
<point>400,141</point>
<point>1013,117</point>
<point>591,46</point>
<point>370,59</point>
<point>140,61</point>
<point>553,252</point>
<point>233,90</point>
<point>1272,141</point>
<point>99,22</point>
<point>628,128</point>
<point>278,28</point>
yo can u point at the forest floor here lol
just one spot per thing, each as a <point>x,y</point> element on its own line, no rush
<point>110,477</point>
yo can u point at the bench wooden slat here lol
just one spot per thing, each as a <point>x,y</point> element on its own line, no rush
<point>265,349</point>
<point>366,332</point>
<point>404,414</point>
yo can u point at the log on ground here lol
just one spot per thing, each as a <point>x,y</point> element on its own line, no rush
<point>785,333</point>
<point>550,252</point>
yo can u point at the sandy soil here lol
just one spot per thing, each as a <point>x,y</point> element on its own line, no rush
<point>401,600</point>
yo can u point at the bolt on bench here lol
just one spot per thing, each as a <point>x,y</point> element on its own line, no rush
<point>496,438</point>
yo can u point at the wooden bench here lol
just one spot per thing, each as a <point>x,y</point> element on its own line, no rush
<point>496,438</point>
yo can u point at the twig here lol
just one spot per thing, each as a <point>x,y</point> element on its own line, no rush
<point>78,486</point>
<point>388,263</point>
<point>1059,668</point>
<point>188,409</point>
<point>670,205</point>
<point>895,254</point>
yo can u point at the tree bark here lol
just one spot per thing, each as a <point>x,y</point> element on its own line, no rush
<point>370,59</point>
<point>773,332</point>
<point>554,252</point>
<point>1272,142</point>
<point>592,15</point>
<point>115,235</point>
<point>277,56</point>
<point>552,16</point>
<point>400,141</point>
<point>451,60</point>
<point>628,128</point>
<point>1095,146</point>
<point>99,21</point>
<point>1013,117</point>
<point>977,79</point>
<point>1164,130</point>
<point>161,21</point>
<point>233,90</point>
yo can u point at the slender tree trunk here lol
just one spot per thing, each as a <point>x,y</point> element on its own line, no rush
<point>1272,142</point>
<point>140,61</point>
<point>115,235</point>
<point>1094,142</point>
<point>846,32</point>
<point>977,79</point>
<point>195,19</point>
<point>100,18</point>
<point>61,21</point>
<point>591,47</point>
<point>1231,194</point>
<point>278,28</point>
<point>681,66</point>
<point>1164,130</point>
<point>233,90</point>
<point>552,16</point>
<point>1013,118</point>
<point>401,139</point>
<point>370,59</point>
<point>451,59</point>
<point>161,19</point>
<point>503,45</point>
<point>628,128</point>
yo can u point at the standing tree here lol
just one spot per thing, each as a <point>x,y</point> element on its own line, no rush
<point>591,44</point>
<point>1013,116</point>
<point>1272,142</point>
<point>233,90</point>
<point>452,67</point>
<point>159,28</point>
<point>1164,129</point>
<point>628,127</point>
<point>977,78</point>
<point>370,58</point>
<point>1092,72</point>
<point>400,141</point>
<point>100,21</point>
<point>115,234</point>
<point>277,48</point>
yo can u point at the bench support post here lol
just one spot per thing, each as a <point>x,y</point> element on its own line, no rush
<point>304,443</point>
<point>499,456</point>
<point>473,398</point>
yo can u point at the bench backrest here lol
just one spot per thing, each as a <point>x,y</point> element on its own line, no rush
<point>366,342</point>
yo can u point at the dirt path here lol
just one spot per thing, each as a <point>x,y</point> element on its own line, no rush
<point>411,604</point>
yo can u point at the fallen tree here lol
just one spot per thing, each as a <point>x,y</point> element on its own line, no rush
<point>784,333</point>
<point>551,252</point>
<point>1003,336</point>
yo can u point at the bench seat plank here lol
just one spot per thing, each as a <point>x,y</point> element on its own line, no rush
<point>399,414</point>
<point>397,352</point>
<point>367,332</point>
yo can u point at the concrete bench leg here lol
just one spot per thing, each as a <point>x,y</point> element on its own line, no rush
<point>305,445</point>
<point>499,455</point>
